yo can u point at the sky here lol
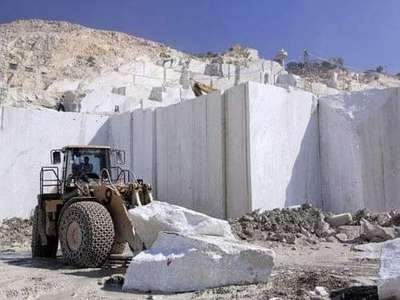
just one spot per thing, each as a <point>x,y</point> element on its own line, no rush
<point>363,32</point>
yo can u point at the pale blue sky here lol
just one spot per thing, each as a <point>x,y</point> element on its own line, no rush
<point>364,32</point>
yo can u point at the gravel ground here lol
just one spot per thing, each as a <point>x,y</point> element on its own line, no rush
<point>300,266</point>
<point>298,269</point>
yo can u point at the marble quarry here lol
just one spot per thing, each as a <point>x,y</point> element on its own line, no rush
<point>255,146</point>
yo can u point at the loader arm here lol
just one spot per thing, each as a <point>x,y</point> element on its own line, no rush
<point>117,204</point>
<point>114,202</point>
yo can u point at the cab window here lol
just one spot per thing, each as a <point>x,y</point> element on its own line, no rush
<point>87,162</point>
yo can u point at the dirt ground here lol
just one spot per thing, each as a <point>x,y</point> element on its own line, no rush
<point>298,269</point>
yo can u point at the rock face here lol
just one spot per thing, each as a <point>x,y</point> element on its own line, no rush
<point>179,263</point>
<point>65,50</point>
<point>389,273</point>
<point>151,219</point>
<point>40,60</point>
<point>360,150</point>
<point>270,130</point>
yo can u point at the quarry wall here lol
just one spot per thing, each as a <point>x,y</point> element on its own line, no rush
<point>360,150</point>
<point>26,138</point>
<point>254,146</point>
<point>179,149</point>
<point>206,154</point>
<point>135,134</point>
<point>272,148</point>
<point>284,147</point>
<point>190,154</point>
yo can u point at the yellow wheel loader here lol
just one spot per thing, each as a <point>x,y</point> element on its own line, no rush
<point>84,206</point>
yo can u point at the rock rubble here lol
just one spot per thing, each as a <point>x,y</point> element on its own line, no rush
<point>283,225</point>
<point>15,234</point>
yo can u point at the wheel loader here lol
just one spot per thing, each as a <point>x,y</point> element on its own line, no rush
<point>84,205</point>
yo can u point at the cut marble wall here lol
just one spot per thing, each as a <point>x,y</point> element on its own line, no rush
<point>255,146</point>
<point>360,150</point>
<point>143,146</point>
<point>190,154</point>
<point>272,149</point>
<point>26,138</point>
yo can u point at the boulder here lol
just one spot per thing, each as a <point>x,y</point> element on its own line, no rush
<point>351,231</point>
<point>319,292</point>
<point>182,263</point>
<point>375,233</point>
<point>389,272</point>
<point>158,216</point>
<point>339,220</point>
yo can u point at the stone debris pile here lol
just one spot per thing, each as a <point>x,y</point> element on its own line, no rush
<point>15,233</point>
<point>288,224</point>
<point>283,225</point>
<point>385,219</point>
<point>376,233</point>
<point>190,251</point>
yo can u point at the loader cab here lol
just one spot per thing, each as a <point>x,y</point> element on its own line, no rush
<point>84,163</point>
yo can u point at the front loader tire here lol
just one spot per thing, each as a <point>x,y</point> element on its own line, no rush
<point>118,247</point>
<point>86,234</point>
<point>39,250</point>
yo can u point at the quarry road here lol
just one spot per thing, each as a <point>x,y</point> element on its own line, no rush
<point>298,268</point>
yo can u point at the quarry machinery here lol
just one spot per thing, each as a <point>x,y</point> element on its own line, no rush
<point>84,206</point>
<point>199,89</point>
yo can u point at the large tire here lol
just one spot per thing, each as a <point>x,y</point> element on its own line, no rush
<point>86,233</point>
<point>118,247</point>
<point>39,250</point>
